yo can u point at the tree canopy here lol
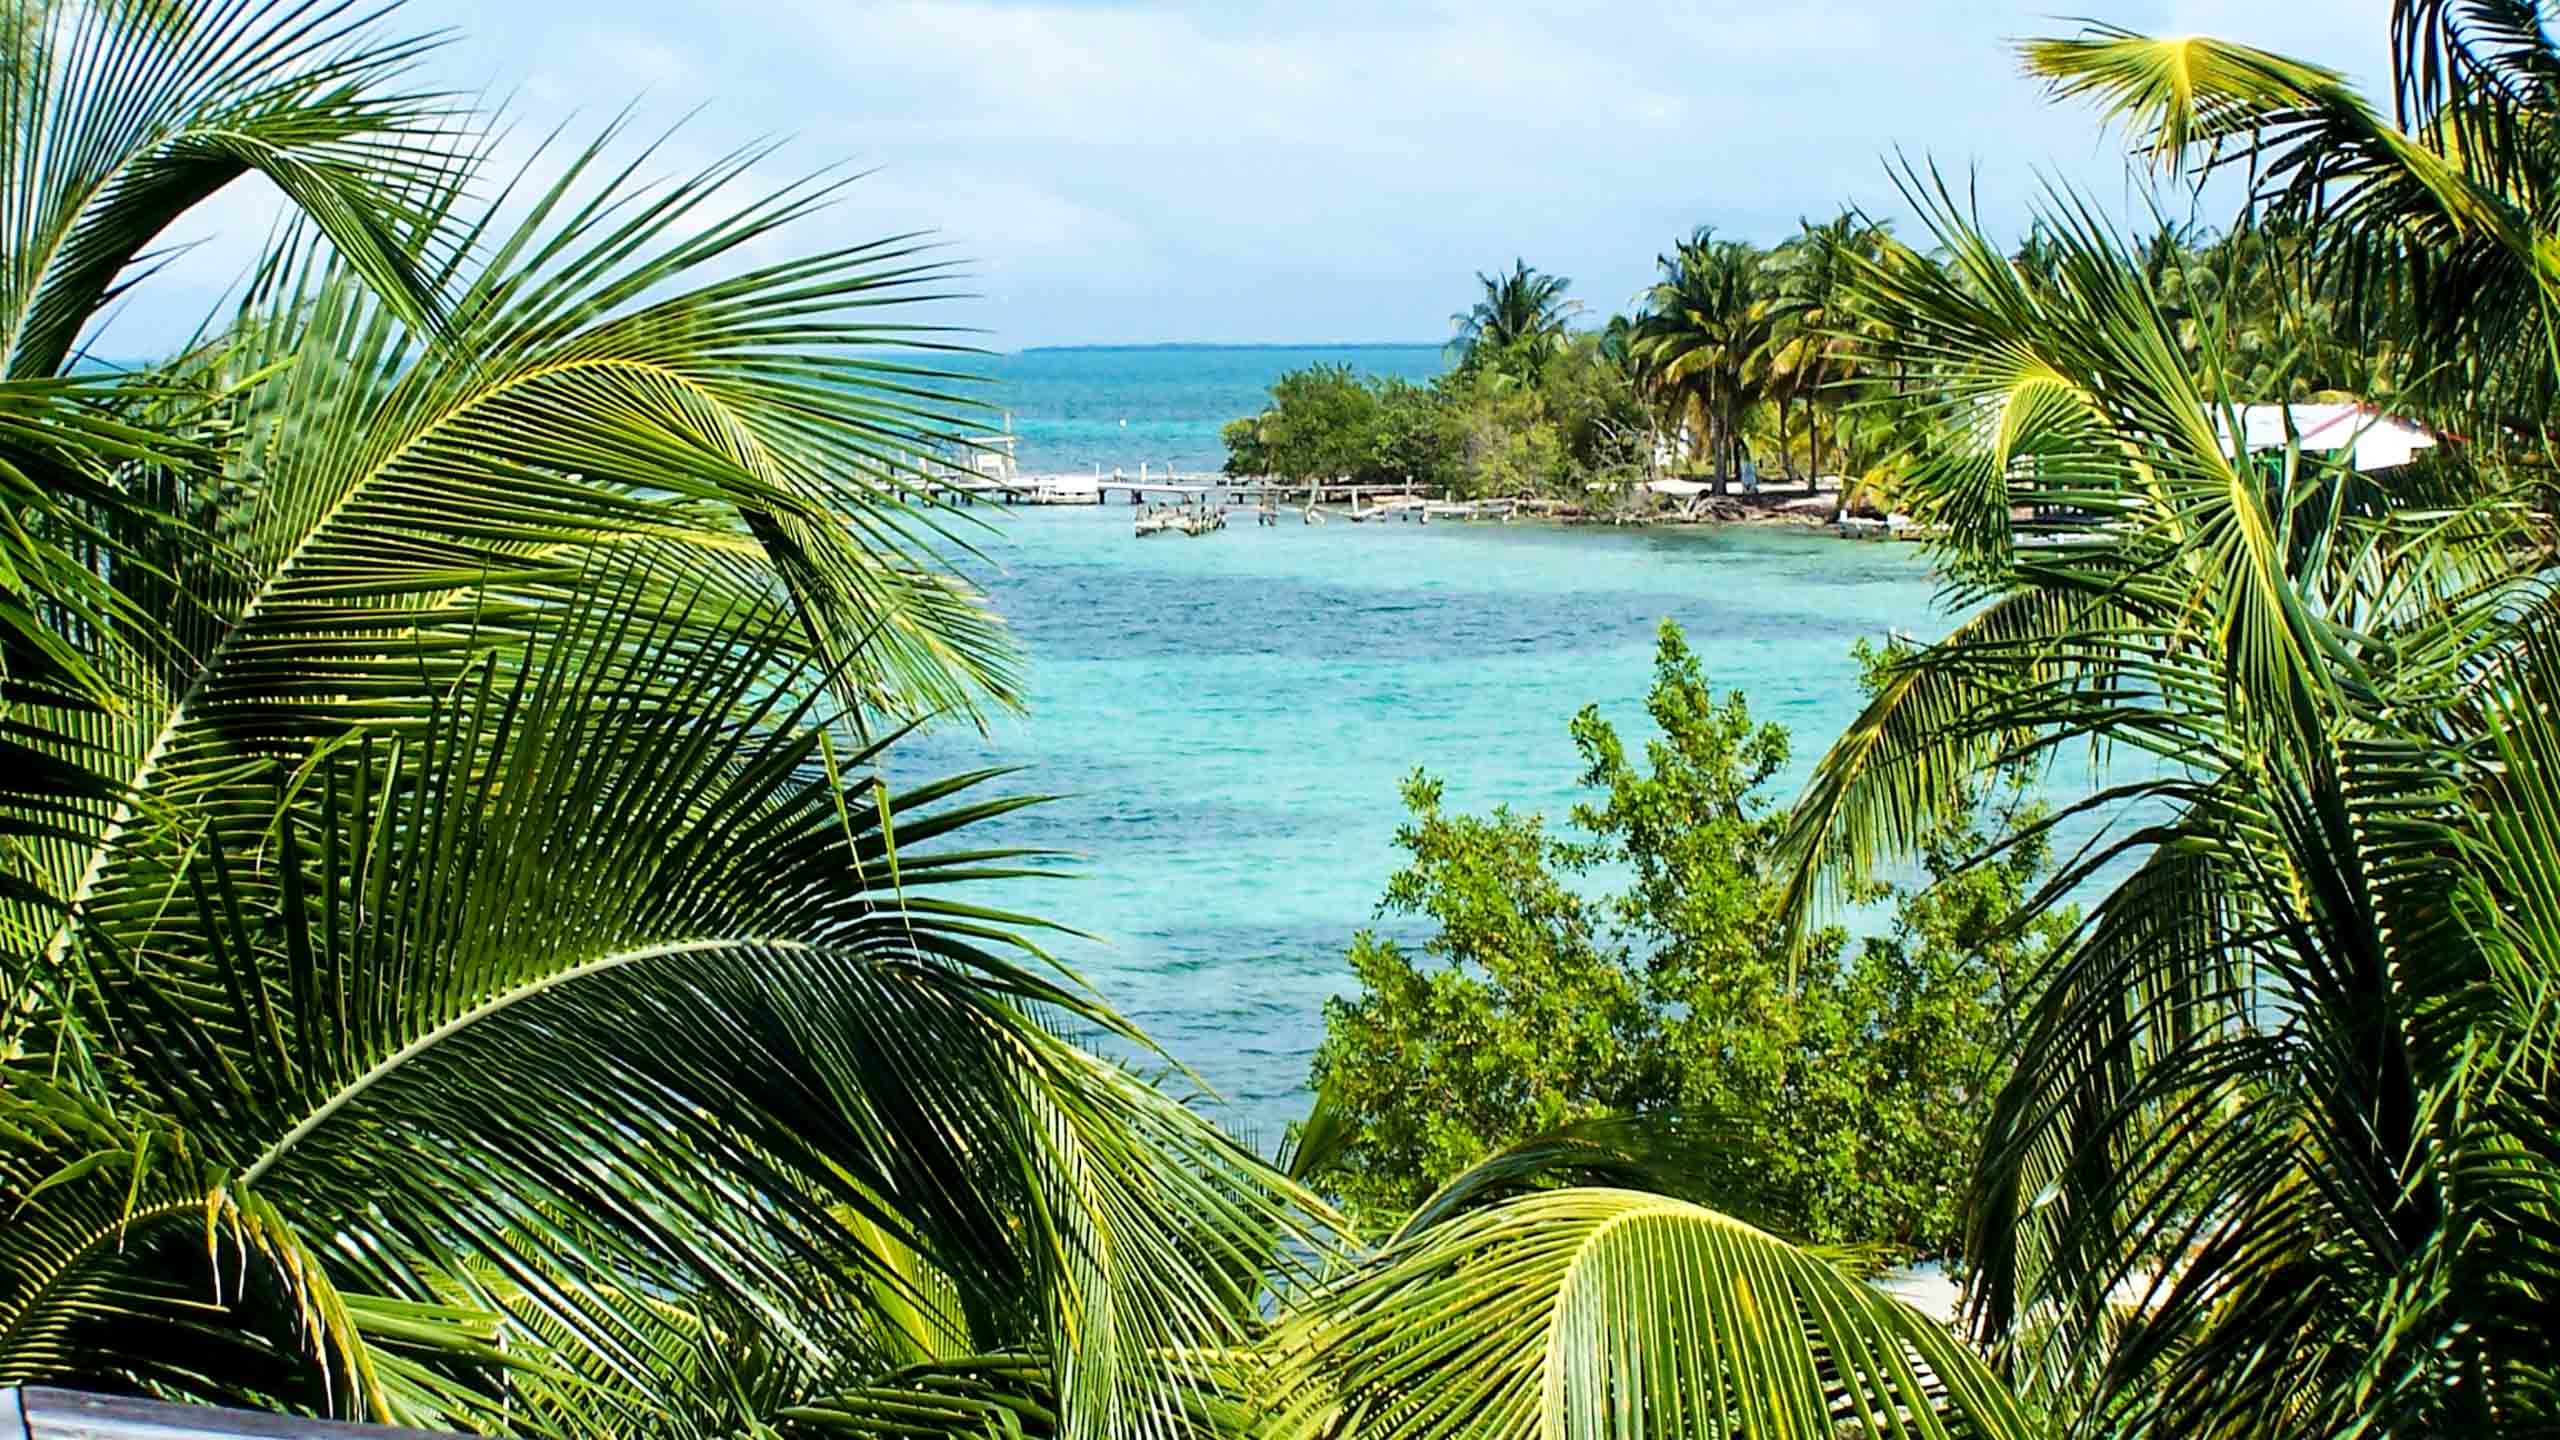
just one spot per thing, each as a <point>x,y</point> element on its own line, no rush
<point>1517,324</point>
<point>1828,1095</point>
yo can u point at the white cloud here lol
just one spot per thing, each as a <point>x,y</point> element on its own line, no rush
<point>1300,169</point>
<point>1145,78</point>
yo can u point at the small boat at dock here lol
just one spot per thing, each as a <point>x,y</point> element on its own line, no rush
<point>1179,519</point>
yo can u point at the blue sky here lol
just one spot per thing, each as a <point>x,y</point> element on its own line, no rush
<point>1308,171</point>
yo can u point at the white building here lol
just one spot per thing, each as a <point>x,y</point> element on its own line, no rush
<point>2376,441</point>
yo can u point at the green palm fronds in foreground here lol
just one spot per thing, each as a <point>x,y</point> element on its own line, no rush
<point>464,966</point>
<point>461,967</point>
<point>2277,1157</point>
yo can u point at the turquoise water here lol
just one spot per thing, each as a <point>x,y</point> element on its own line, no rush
<point>1161,404</point>
<point>1227,719</point>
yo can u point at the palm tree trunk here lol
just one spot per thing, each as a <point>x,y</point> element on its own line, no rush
<point>1813,435</point>
<point>1732,442</point>
<point>1786,452</point>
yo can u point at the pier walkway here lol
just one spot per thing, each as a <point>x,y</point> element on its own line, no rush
<point>1099,490</point>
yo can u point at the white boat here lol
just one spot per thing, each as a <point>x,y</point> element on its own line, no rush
<point>1065,490</point>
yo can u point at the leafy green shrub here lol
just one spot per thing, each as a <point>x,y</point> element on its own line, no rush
<point>1848,1081</point>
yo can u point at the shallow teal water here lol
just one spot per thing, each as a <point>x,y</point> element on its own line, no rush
<point>1228,718</point>
<point>1074,409</point>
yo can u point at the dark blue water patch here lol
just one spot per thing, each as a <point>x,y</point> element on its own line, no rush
<point>1089,613</point>
<point>1127,823</point>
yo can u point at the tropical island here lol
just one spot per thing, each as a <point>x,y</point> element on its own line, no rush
<point>473,963</point>
<point>1768,384</point>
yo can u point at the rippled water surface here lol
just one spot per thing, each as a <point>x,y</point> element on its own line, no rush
<point>1226,719</point>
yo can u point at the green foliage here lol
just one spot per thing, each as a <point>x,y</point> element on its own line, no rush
<point>1476,431</point>
<point>1590,395</point>
<point>1502,438</point>
<point>1415,435</point>
<point>1851,1080</point>
<point>1516,325</point>
<point>1530,409</point>
<point>1322,422</point>
<point>1608,1312</point>
<point>1702,325</point>
<point>1775,353</point>
<point>460,961</point>
<point>2289,1091</point>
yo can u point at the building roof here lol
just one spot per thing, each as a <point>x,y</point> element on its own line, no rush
<point>2377,441</point>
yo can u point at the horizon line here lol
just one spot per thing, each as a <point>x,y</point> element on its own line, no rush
<point>1238,345</point>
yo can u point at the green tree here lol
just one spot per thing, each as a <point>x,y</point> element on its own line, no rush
<point>1416,437</point>
<point>1502,439</point>
<point>1847,1087</point>
<point>1482,430</point>
<point>1698,330</point>
<point>1517,324</point>
<point>1811,352</point>
<point>1321,424</point>
<point>1246,454</point>
<point>1592,393</point>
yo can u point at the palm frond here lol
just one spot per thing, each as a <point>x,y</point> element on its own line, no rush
<point>2436,232</point>
<point>123,117</point>
<point>1598,1312</point>
<point>384,994</point>
<point>408,501</point>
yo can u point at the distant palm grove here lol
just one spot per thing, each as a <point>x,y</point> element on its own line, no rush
<point>1785,358</point>
<point>465,967</point>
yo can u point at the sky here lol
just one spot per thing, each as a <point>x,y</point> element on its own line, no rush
<point>1303,171</point>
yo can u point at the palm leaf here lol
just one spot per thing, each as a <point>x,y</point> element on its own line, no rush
<point>124,116</point>
<point>383,1004</point>
<point>418,500</point>
<point>1591,1312</point>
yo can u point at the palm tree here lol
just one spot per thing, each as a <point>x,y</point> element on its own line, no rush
<point>1519,321</point>
<point>2422,231</point>
<point>1699,327</point>
<point>2041,254</point>
<point>2277,1156</point>
<point>464,965</point>
<point>1812,350</point>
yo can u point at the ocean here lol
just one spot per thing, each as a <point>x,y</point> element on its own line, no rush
<point>1074,409</point>
<point>1226,719</point>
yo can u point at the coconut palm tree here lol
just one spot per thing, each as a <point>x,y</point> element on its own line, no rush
<point>464,964</point>
<point>1812,351</point>
<point>2421,225</point>
<point>1697,330</point>
<point>2276,1157</point>
<point>1519,321</point>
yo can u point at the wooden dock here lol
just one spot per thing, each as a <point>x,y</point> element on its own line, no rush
<point>1098,490</point>
<point>1258,490</point>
